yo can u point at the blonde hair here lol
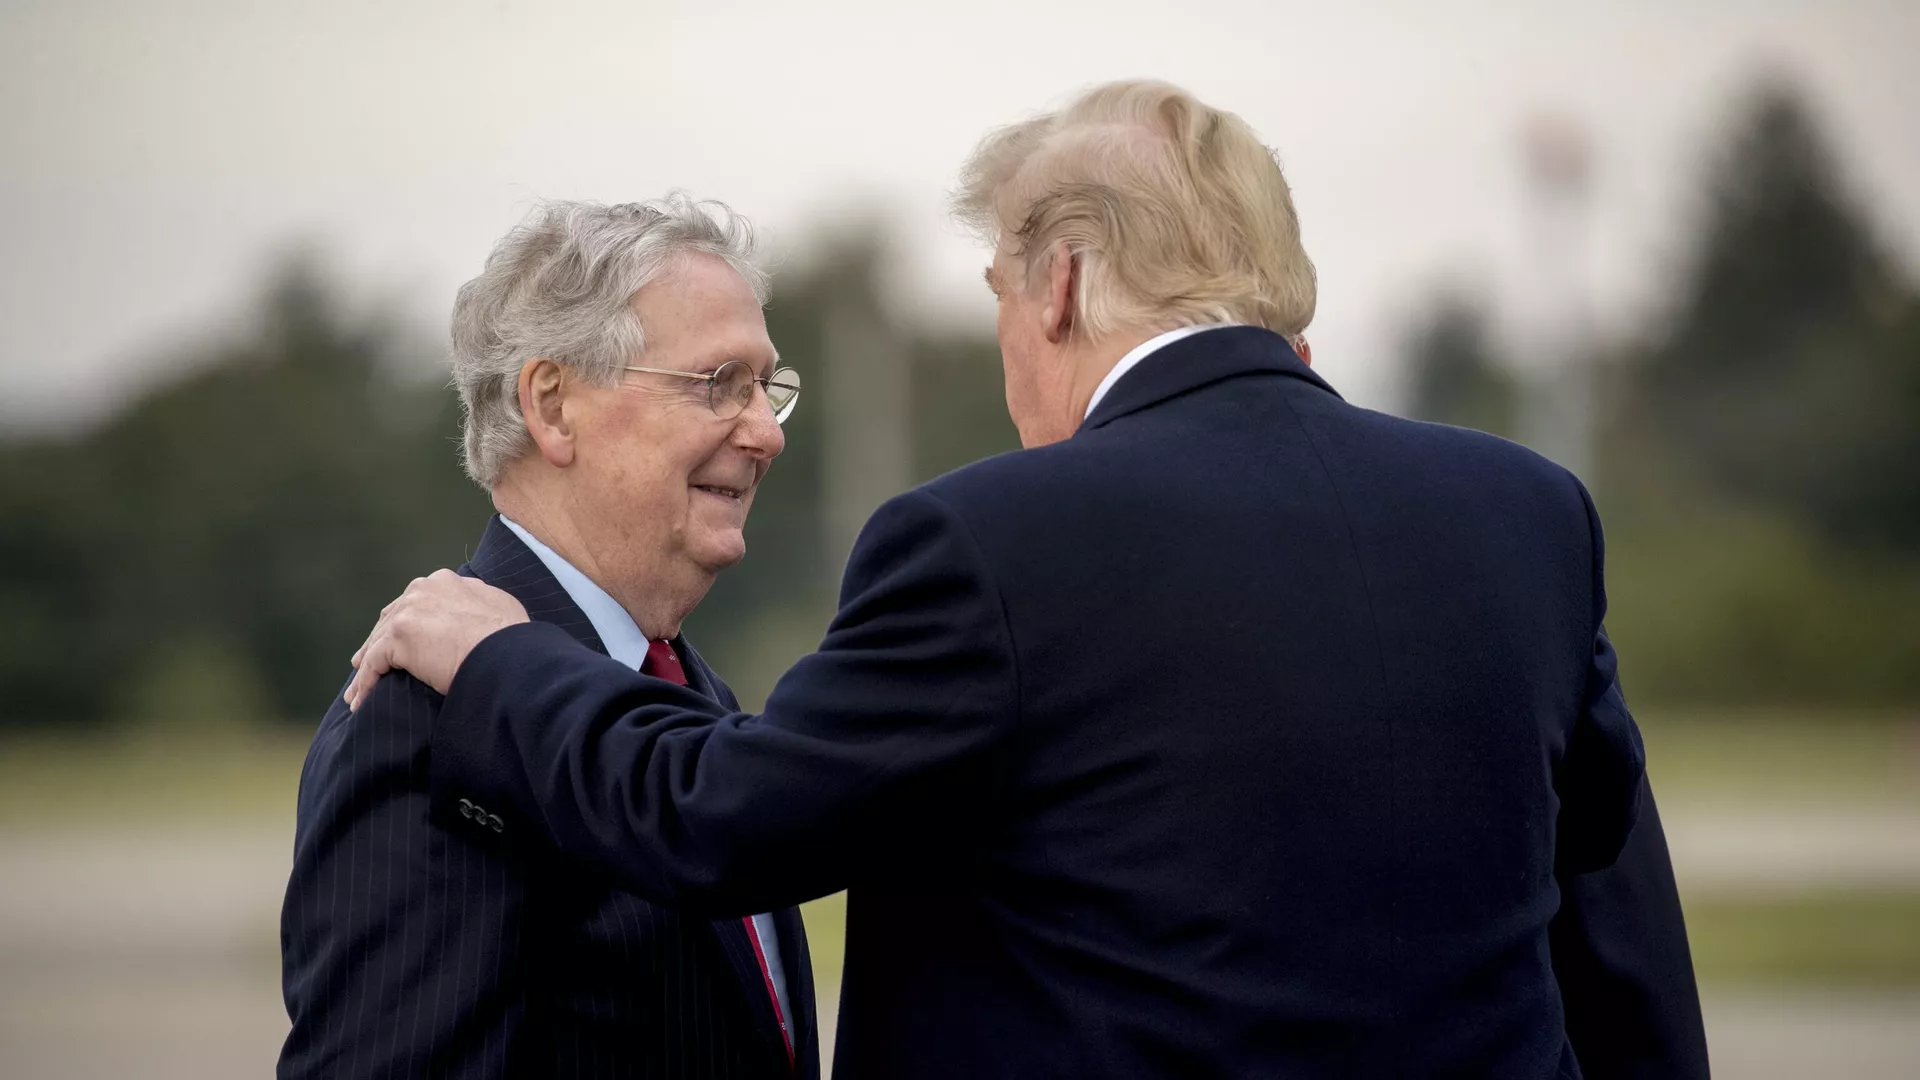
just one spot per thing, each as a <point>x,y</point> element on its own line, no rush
<point>1175,212</point>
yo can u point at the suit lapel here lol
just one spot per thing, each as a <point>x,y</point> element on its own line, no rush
<point>504,562</point>
<point>797,960</point>
<point>700,677</point>
<point>738,948</point>
<point>732,933</point>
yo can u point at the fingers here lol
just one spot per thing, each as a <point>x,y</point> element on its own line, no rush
<point>357,689</point>
<point>369,661</point>
<point>374,660</point>
<point>409,631</point>
<point>379,626</point>
<point>363,676</point>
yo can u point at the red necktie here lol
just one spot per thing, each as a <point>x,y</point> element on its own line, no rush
<point>663,663</point>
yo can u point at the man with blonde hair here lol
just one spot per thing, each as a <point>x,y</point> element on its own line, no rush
<point>1226,730</point>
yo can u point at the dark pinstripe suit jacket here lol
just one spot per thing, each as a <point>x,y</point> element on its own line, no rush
<point>413,948</point>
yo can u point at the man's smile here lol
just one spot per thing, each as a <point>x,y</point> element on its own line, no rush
<point>732,494</point>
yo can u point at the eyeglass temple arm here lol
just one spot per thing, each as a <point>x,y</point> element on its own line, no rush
<point>704,377</point>
<point>709,376</point>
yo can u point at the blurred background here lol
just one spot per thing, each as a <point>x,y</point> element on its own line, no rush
<point>1673,245</point>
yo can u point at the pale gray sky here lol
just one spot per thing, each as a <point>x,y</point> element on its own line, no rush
<point>158,154</point>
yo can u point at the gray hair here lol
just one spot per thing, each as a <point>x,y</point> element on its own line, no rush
<point>560,286</point>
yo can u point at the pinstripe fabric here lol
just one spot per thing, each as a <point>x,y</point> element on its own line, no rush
<point>413,948</point>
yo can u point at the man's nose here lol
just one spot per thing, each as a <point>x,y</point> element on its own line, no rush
<point>756,431</point>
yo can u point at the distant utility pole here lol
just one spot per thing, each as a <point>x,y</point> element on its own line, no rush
<point>1556,376</point>
<point>868,445</point>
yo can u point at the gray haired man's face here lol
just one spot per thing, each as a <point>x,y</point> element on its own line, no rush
<point>666,483</point>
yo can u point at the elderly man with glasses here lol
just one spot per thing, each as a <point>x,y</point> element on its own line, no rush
<point>622,403</point>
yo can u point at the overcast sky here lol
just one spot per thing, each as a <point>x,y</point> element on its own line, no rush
<point>158,154</point>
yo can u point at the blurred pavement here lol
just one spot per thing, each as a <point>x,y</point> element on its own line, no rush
<point>130,950</point>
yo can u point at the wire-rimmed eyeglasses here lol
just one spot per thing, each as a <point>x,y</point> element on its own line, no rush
<point>730,388</point>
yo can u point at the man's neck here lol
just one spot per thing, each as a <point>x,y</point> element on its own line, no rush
<point>525,505</point>
<point>1092,366</point>
<point>537,511</point>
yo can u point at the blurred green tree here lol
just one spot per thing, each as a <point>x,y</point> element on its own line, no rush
<point>1763,474</point>
<point>1760,450</point>
<point>1457,376</point>
<point>1790,372</point>
<point>223,543</point>
<point>266,505</point>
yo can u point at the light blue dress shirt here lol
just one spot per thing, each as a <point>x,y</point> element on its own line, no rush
<point>625,643</point>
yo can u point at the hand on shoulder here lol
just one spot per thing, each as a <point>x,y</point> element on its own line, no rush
<point>430,630</point>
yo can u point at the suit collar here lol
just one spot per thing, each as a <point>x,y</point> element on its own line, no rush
<point>504,562</point>
<point>618,632</point>
<point>1196,361</point>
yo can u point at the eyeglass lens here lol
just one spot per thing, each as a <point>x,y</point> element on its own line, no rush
<point>733,390</point>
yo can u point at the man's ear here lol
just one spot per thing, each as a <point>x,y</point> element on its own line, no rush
<point>544,386</point>
<point>1056,310</point>
<point>1303,350</point>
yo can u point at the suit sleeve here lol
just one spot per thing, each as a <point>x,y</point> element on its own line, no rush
<point>1599,777</point>
<point>873,753</point>
<point>397,937</point>
<point>1626,974</point>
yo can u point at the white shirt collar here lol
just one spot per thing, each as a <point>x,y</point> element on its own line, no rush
<point>617,630</point>
<point>1141,352</point>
